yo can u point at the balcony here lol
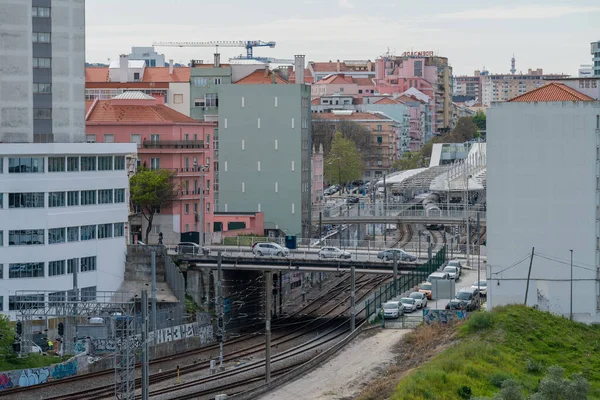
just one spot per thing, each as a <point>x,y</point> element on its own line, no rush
<point>174,144</point>
<point>187,171</point>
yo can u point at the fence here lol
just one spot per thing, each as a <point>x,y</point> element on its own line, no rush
<point>406,281</point>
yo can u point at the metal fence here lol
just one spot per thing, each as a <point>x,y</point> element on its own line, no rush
<point>399,210</point>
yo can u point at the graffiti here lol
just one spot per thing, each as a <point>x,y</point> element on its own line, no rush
<point>206,334</point>
<point>5,382</point>
<point>103,345</point>
<point>443,316</point>
<point>79,347</point>
<point>60,371</point>
<point>30,377</point>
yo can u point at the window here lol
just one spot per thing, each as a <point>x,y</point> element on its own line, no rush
<point>178,98</point>
<point>105,196</point>
<point>40,12</point>
<point>25,302</point>
<point>41,37</point>
<point>26,237</point>
<point>88,293</point>
<point>211,100</point>
<point>26,270</point>
<point>198,102</point>
<point>1,243</point>
<point>19,165</point>
<point>88,264</point>
<point>109,138</point>
<point>187,208</point>
<point>197,81</point>
<point>88,232</point>
<point>379,128</point>
<point>25,200</point>
<point>73,234</point>
<point>73,198</point>
<point>42,113</point>
<point>56,268</point>
<point>136,76</point>
<point>105,231</point>
<point>217,81</point>
<point>156,229</point>
<point>119,163</point>
<point>154,138</point>
<point>72,264</point>
<point>88,197</point>
<point>119,229</point>
<point>56,164</point>
<point>90,138</point>
<point>119,195</point>
<point>105,163</point>
<point>136,138</point>
<point>56,199</point>
<point>72,164</point>
<point>155,163</point>
<point>379,139</point>
<point>57,235</point>
<point>42,88</point>
<point>56,299</point>
<point>88,163</point>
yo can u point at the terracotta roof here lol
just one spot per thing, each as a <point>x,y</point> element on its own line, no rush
<point>353,116</point>
<point>96,74</point>
<point>327,66</point>
<point>363,81</point>
<point>316,101</point>
<point>337,79</point>
<point>386,100</point>
<point>552,92</point>
<point>106,113</point>
<point>258,78</point>
<point>151,74</point>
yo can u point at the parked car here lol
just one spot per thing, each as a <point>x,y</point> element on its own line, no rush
<point>425,288</point>
<point>420,299</point>
<point>435,227</point>
<point>393,309</point>
<point>401,255</point>
<point>482,287</point>
<point>452,272</point>
<point>438,276</point>
<point>456,304</point>
<point>333,252</point>
<point>457,264</point>
<point>270,249</point>
<point>409,304</point>
<point>352,200</point>
<point>192,248</point>
<point>469,296</point>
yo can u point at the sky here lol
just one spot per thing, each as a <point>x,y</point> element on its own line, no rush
<point>551,34</point>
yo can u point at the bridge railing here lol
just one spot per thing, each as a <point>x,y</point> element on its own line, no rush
<point>395,210</point>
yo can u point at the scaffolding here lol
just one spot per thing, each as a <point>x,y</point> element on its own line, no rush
<point>72,307</point>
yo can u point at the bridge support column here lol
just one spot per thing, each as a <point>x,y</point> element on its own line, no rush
<point>395,274</point>
<point>353,300</point>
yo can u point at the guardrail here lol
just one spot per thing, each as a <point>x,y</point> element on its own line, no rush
<point>395,210</point>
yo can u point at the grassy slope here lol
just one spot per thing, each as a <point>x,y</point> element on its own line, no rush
<point>507,342</point>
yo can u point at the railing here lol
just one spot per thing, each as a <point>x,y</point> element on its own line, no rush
<point>455,211</point>
<point>186,169</point>
<point>174,144</point>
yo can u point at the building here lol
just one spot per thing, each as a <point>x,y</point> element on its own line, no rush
<point>169,84</point>
<point>165,139</point>
<point>586,71</point>
<point>317,171</point>
<point>148,55</point>
<point>265,149</point>
<point>595,50</point>
<point>542,193</point>
<point>205,80</point>
<point>352,68</point>
<point>384,139</point>
<point>42,71</point>
<point>341,84</point>
<point>62,206</point>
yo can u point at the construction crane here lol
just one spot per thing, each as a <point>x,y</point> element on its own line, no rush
<point>247,44</point>
<point>267,60</point>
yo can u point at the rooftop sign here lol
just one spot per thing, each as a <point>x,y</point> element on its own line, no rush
<point>417,54</point>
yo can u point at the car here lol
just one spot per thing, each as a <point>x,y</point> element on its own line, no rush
<point>333,252</point>
<point>393,309</point>
<point>482,287</point>
<point>192,248</point>
<point>409,304</point>
<point>420,299</point>
<point>434,227</point>
<point>469,296</point>
<point>352,200</point>
<point>425,288</point>
<point>451,271</point>
<point>401,255</point>
<point>438,276</point>
<point>455,263</point>
<point>456,304</point>
<point>139,242</point>
<point>270,249</point>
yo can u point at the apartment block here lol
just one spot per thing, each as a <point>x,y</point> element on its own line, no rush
<point>205,81</point>
<point>595,50</point>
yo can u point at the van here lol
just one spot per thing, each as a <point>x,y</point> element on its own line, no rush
<point>438,276</point>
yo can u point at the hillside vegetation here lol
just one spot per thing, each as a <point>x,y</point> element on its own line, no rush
<point>513,342</point>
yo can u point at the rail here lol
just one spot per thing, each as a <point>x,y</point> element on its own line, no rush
<point>174,144</point>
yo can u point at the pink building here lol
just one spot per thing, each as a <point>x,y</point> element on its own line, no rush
<point>166,139</point>
<point>343,84</point>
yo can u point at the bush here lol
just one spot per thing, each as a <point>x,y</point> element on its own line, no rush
<point>533,366</point>
<point>498,379</point>
<point>479,321</point>
<point>465,392</point>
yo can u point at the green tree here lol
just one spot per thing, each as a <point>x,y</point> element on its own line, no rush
<point>343,164</point>
<point>480,120</point>
<point>152,190</point>
<point>410,160</point>
<point>7,337</point>
<point>324,132</point>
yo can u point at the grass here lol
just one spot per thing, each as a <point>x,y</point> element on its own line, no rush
<point>513,342</point>
<point>31,361</point>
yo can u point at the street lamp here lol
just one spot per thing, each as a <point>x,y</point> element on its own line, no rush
<point>467,217</point>
<point>201,170</point>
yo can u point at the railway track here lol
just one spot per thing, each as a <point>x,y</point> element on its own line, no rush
<point>405,236</point>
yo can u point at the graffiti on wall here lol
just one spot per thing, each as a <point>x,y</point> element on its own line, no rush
<point>443,316</point>
<point>35,376</point>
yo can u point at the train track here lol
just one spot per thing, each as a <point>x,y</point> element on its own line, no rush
<point>405,236</point>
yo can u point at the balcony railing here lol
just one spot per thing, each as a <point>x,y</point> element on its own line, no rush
<point>187,169</point>
<point>174,144</point>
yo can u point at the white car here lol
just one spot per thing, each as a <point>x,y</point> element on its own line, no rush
<point>482,287</point>
<point>420,299</point>
<point>457,264</point>
<point>333,252</point>
<point>270,249</point>
<point>409,304</point>
<point>452,272</point>
<point>392,309</point>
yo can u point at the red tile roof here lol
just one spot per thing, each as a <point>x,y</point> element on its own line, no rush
<point>363,81</point>
<point>151,74</point>
<point>106,113</point>
<point>336,79</point>
<point>552,92</point>
<point>316,101</point>
<point>353,116</point>
<point>258,77</point>
<point>96,74</point>
<point>386,100</point>
<point>327,66</point>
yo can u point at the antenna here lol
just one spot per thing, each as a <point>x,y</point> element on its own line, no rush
<point>512,65</point>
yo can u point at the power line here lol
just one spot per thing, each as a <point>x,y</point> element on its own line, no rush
<point>563,262</point>
<point>513,265</point>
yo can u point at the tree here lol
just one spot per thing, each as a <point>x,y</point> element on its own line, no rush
<point>7,336</point>
<point>480,120</point>
<point>152,190</point>
<point>410,160</point>
<point>324,132</point>
<point>464,130</point>
<point>343,164</point>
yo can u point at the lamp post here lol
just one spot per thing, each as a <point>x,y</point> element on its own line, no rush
<point>201,170</point>
<point>467,177</point>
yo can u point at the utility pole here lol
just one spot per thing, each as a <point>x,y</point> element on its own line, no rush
<point>395,274</point>
<point>280,294</point>
<point>467,176</point>
<point>320,227</point>
<point>153,266</point>
<point>384,209</point>
<point>269,292</point>
<point>478,255</point>
<point>571,307</point>
<point>529,274</point>
<point>221,320</point>
<point>353,299</point>
<point>145,379</point>
<point>75,305</point>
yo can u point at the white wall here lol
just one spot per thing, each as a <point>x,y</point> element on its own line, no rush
<point>541,192</point>
<point>182,88</point>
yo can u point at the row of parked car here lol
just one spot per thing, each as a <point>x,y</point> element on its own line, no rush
<point>397,308</point>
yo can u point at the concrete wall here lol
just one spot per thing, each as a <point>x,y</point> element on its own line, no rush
<point>542,192</point>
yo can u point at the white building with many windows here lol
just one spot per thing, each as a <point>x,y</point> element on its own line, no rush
<point>62,206</point>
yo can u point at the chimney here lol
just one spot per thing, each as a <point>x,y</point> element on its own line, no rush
<point>170,67</point>
<point>337,64</point>
<point>217,60</point>
<point>266,70</point>
<point>299,69</point>
<point>123,68</point>
<point>273,76</point>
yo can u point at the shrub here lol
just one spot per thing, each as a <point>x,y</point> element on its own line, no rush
<point>498,378</point>
<point>465,392</point>
<point>479,321</point>
<point>533,366</point>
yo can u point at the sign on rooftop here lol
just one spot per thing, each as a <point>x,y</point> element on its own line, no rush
<point>417,54</point>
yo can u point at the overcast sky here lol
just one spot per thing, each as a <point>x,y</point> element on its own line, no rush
<point>551,34</point>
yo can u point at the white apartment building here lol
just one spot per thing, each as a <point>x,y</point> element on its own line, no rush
<point>543,185</point>
<point>62,206</point>
<point>42,71</point>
